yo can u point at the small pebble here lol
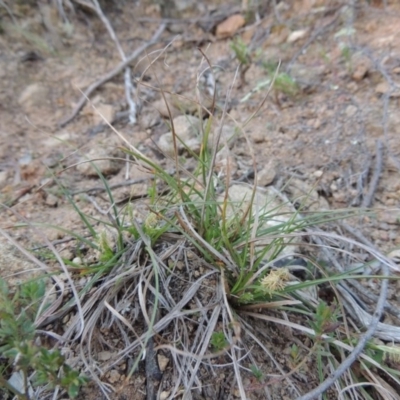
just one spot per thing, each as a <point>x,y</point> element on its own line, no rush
<point>77,261</point>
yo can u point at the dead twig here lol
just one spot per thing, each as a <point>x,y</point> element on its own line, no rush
<point>57,242</point>
<point>129,87</point>
<point>366,294</point>
<point>117,185</point>
<point>114,186</point>
<point>9,12</point>
<point>362,179</point>
<point>112,74</point>
<point>368,199</point>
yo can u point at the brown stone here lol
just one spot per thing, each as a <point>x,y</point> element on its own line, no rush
<point>230,26</point>
<point>360,72</point>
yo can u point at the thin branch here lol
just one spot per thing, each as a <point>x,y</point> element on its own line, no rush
<point>129,88</point>
<point>112,74</point>
<point>372,298</point>
<point>362,179</point>
<point>9,12</point>
<point>368,199</point>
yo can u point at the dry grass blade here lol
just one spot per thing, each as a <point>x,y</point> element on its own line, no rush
<point>383,331</point>
<point>358,349</point>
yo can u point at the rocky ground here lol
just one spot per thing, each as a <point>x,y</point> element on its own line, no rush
<point>319,135</point>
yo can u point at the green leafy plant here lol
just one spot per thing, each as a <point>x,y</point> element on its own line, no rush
<point>243,55</point>
<point>218,341</point>
<point>325,319</point>
<point>256,372</point>
<point>283,82</point>
<point>347,54</point>
<point>21,354</point>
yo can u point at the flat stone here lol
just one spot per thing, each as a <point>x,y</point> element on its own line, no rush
<point>104,162</point>
<point>51,200</point>
<point>103,112</point>
<point>33,96</point>
<point>114,376</point>
<point>230,26</point>
<point>187,128</point>
<point>267,175</point>
<point>360,72</point>
<point>272,212</point>
<point>161,106</point>
<point>104,355</point>
<point>296,35</point>
<point>384,88</point>
<point>162,362</point>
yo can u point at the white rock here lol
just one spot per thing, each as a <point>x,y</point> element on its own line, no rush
<point>103,112</point>
<point>272,211</point>
<point>162,108</point>
<point>67,254</point>
<point>227,136</point>
<point>57,140</point>
<point>296,35</point>
<point>103,161</point>
<point>267,175</point>
<point>162,362</point>
<point>164,395</point>
<point>394,255</point>
<point>77,261</point>
<point>51,200</point>
<point>104,355</point>
<point>187,128</point>
<point>17,382</point>
<point>114,376</point>
<point>138,189</point>
<point>33,95</point>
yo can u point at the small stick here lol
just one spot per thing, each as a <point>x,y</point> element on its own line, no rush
<point>129,89</point>
<point>110,75</point>
<point>118,185</point>
<point>114,186</point>
<point>361,181</point>
<point>368,199</point>
<point>361,289</point>
<point>57,242</point>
